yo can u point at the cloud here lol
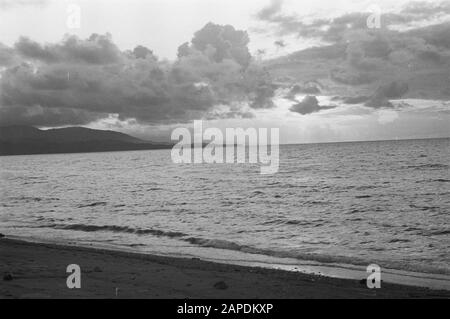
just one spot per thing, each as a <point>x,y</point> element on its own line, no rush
<point>354,99</point>
<point>7,55</point>
<point>309,105</point>
<point>219,43</point>
<point>271,10</point>
<point>381,97</point>
<point>358,63</point>
<point>335,29</point>
<point>280,44</point>
<point>384,93</point>
<point>305,88</point>
<point>97,49</point>
<point>284,24</point>
<point>392,90</point>
<point>77,81</point>
<point>426,9</point>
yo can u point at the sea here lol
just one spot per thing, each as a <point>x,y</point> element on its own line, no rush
<point>331,209</point>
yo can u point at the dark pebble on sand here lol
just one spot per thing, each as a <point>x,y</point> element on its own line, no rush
<point>7,277</point>
<point>221,285</point>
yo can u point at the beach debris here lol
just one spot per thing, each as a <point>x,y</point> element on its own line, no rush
<point>221,285</point>
<point>7,277</point>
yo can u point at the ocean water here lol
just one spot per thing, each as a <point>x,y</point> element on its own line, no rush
<point>335,206</point>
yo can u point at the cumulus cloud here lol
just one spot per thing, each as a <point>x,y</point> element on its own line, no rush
<point>7,55</point>
<point>305,88</point>
<point>387,92</point>
<point>77,81</point>
<point>97,49</point>
<point>309,105</point>
<point>219,43</point>
<point>382,96</point>
<point>335,29</point>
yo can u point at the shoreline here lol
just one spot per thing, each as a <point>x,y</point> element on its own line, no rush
<point>340,270</point>
<point>38,270</point>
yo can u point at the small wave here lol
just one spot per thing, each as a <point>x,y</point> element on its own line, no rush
<point>296,222</point>
<point>92,204</point>
<point>256,194</point>
<point>326,259</point>
<point>233,246</point>
<point>430,166</point>
<point>399,240</point>
<point>214,243</point>
<point>439,232</point>
<point>316,202</point>
<point>413,229</point>
<point>34,199</point>
<point>425,208</point>
<point>365,187</point>
<point>118,229</point>
<point>280,221</point>
<point>439,180</point>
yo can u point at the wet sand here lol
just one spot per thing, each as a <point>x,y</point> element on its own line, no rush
<point>36,270</point>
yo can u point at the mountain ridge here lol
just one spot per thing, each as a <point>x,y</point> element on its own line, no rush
<point>22,140</point>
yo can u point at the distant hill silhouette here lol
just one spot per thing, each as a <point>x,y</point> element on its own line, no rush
<point>17,140</point>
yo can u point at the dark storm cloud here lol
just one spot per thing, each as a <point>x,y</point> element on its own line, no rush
<point>435,35</point>
<point>358,60</point>
<point>309,105</point>
<point>305,88</point>
<point>7,55</point>
<point>384,93</point>
<point>39,116</point>
<point>381,97</point>
<point>97,49</point>
<point>348,76</point>
<point>78,81</point>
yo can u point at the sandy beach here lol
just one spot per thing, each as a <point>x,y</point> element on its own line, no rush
<point>36,270</point>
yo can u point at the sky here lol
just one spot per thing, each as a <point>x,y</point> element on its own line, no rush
<point>143,67</point>
<point>160,24</point>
